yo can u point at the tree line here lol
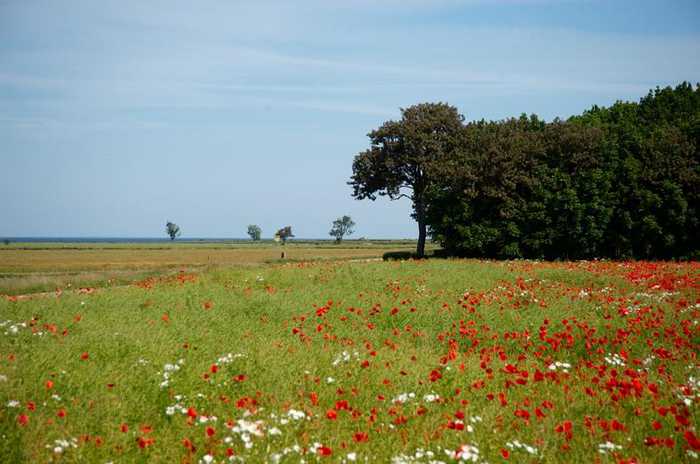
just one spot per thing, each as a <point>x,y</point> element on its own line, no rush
<point>619,182</point>
<point>341,227</point>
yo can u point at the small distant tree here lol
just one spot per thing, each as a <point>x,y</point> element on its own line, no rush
<point>254,231</point>
<point>341,227</point>
<point>283,234</point>
<point>172,229</point>
<point>6,241</point>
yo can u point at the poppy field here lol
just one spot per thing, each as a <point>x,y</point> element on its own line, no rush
<point>400,362</point>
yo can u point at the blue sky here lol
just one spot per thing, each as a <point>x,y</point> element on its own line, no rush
<point>118,116</point>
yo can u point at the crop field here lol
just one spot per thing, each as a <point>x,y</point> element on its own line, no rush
<point>44,267</point>
<point>359,361</point>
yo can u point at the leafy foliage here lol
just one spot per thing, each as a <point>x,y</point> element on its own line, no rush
<point>283,234</point>
<point>341,227</point>
<point>404,156</point>
<point>254,231</point>
<point>618,182</point>
<point>172,229</point>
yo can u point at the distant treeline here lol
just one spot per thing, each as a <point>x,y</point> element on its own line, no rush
<point>617,182</point>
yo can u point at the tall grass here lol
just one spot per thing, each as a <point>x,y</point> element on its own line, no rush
<point>408,361</point>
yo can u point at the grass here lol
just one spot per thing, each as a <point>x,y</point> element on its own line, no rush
<point>43,267</point>
<point>376,361</point>
<point>219,244</point>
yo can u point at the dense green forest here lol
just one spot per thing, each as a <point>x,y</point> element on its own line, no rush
<point>617,182</point>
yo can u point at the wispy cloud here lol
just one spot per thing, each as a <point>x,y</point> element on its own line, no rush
<point>206,58</point>
<point>209,94</point>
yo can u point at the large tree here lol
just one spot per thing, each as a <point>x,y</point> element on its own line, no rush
<point>620,182</point>
<point>405,157</point>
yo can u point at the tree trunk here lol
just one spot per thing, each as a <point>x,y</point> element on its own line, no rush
<point>420,249</point>
<point>420,218</point>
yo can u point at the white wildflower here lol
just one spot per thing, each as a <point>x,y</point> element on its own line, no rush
<point>467,453</point>
<point>404,397</point>
<point>295,414</point>
<point>604,448</point>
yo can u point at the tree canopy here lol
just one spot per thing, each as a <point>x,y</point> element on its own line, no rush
<point>405,156</point>
<point>620,182</point>
<point>172,229</point>
<point>283,234</point>
<point>341,227</point>
<point>254,231</point>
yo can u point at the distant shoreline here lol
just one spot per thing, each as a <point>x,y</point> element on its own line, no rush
<point>179,240</point>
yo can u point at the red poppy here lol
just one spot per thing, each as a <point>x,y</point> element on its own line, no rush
<point>360,437</point>
<point>146,429</point>
<point>342,404</point>
<point>692,440</point>
<point>187,443</point>
<point>452,425</point>
<point>145,442</point>
<point>565,427</point>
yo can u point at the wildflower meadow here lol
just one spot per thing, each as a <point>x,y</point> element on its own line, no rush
<point>431,361</point>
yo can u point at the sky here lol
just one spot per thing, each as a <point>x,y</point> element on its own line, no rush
<point>117,116</point>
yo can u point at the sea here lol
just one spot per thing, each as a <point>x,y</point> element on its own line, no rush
<point>116,239</point>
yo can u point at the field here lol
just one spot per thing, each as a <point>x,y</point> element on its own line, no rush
<point>357,361</point>
<point>43,267</point>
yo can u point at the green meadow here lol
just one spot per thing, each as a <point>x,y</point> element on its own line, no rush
<point>359,361</point>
